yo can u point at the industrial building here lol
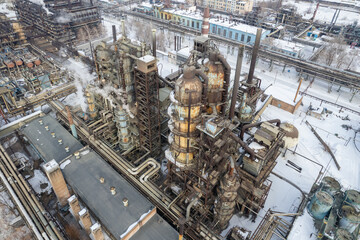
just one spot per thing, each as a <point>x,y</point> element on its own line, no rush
<point>61,21</point>
<point>135,155</point>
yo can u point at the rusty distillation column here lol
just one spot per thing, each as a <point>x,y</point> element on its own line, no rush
<point>185,112</point>
<point>205,23</point>
<point>91,103</point>
<point>254,56</point>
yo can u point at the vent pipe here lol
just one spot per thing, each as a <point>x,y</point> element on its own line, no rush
<point>236,80</point>
<point>254,56</point>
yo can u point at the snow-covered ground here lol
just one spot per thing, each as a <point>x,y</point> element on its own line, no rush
<point>324,13</point>
<point>40,183</point>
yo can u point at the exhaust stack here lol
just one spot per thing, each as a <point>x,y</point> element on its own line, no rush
<point>254,56</point>
<point>205,23</point>
<point>154,42</point>
<point>236,80</point>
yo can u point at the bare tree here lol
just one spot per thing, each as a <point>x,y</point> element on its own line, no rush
<point>354,54</point>
<point>160,41</point>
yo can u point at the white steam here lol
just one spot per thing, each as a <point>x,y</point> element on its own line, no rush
<point>82,78</point>
<point>41,3</point>
<point>64,17</point>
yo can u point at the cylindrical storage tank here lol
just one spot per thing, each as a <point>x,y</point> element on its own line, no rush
<point>350,218</point>
<point>352,197</point>
<point>330,185</point>
<point>291,138</point>
<point>37,62</point>
<point>29,64</point>
<point>343,234</point>
<point>9,63</point>
<point>18,62</point>
<point>320,204</point>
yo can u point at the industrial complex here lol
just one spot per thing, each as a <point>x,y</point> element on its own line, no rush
<point>210,120</point>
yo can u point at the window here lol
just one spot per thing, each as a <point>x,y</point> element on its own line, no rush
<point>192,24</point>
<point>236,36</point>
<point>188,23</point>
<point>242,37</point>
<point>230,34</point>
<point>165,17</point>
<point>197,25</point>
<point>248,39</point>
<point>162,16</point>
<point>219,31</point>
<point>214,30</point>
<point>224,33</point>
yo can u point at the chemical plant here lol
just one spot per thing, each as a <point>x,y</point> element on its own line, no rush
<point>107,137</point>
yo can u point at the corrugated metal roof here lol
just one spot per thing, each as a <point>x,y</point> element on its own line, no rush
<point>84,174</point>
<point>48,146</point>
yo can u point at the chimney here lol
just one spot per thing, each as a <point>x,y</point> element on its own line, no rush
<point>205,23</point>
<point>96,232</point>
<point>254,56</point>
<point>85,219</point>
<point>154,41</point>
<point>71,122</point>
<point>57,181</point>
<point>74,206</point>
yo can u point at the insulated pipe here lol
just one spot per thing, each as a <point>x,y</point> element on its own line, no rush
<point>206,83</point>
<point>236,80</point>
<point>154,42</point>
<point>38,208</point>
<point>244,145</point>
<point>21,207</point>
<point>254,56</point>
<point>277,121</point>
<point>192,203</point>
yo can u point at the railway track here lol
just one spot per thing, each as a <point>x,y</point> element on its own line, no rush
<point>36,217</point>
<point>329,74</point>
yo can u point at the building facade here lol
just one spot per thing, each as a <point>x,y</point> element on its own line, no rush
<point>230,6</point>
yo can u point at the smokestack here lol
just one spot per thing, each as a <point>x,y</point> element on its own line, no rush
<point>114,33</point>
<point>74,206</point>
<point>254,56</point>
<point>205,23</point>
<point>236,80</point>
<point>57,181</point>
<point>71,122</point>
<point>181,227</point>
<point>97,232</point>
<point>154,42</point>
<point>85,219</point>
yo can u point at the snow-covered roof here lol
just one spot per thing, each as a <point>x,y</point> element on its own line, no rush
<point>191,14</point>
<point>236,26</point>
<point>287,45</point>
<point>184,51</point>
